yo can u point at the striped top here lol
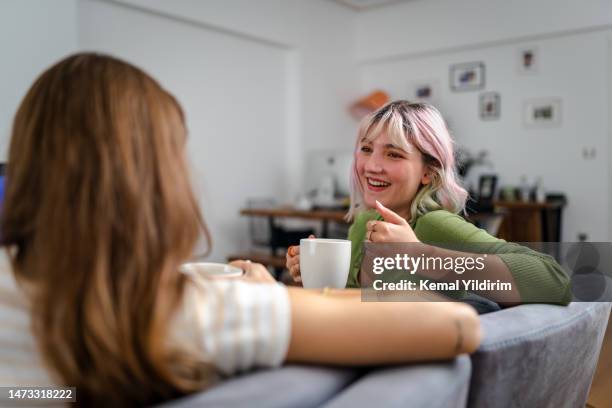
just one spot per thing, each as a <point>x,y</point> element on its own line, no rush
<point>20,363</point>
<point>233,324</point>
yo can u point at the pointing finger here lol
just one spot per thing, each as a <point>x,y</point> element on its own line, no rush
<point>389,215</point>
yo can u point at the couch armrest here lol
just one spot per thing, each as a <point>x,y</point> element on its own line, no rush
<point>432,385</point>
<point>538,355</point>
<point>288,386</point>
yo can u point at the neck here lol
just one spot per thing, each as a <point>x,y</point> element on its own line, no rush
<point>405,214</point>
<point>403,211</point>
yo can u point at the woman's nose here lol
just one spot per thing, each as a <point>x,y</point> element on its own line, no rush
<point>373,164</point>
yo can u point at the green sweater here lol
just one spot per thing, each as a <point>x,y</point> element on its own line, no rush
<point>537,276</point>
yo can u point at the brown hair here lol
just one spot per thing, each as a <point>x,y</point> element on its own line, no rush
<point>98,216</point>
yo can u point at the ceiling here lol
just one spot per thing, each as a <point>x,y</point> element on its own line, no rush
<point>360,5</point>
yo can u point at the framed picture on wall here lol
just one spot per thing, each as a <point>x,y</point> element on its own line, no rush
<point>467,76</point>
<point>424,91</point>
<point>542,112</point>
<point>489,105</point>
<point>528,60</point>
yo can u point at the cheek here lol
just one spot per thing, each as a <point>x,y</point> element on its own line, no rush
<point>408,173</point>
<point>398,173</point>
<point>359,165</point>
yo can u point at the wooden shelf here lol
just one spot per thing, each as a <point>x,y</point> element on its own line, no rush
<point>320,215</point>
<point>530,221</point>
<point>527,205</point>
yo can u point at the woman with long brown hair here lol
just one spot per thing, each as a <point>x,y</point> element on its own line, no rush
<point>98,217</point>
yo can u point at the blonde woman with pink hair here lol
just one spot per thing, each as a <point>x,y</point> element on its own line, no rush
<point>404,188</point>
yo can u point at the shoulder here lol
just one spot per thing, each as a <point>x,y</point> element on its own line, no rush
<point>233,293</point>
<point>444,226</point>
<point>234,324</point>
<point>20,361</point>
<point>438,218</point>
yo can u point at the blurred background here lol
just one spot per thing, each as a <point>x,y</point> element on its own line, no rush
<point>273,90</point>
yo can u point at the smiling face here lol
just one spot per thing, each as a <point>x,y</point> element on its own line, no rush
<point>389,173</point>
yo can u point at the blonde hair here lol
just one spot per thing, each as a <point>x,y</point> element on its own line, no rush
<point>99,215</point>
<point>421,126</point>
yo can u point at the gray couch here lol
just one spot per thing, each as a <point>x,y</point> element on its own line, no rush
<point>530,356</point>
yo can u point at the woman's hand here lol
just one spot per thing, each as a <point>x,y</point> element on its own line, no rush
<point>293,261</point>
<point>394,228</point>
<point>253,272</point>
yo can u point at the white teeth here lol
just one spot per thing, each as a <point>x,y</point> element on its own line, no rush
<point>377,183</point>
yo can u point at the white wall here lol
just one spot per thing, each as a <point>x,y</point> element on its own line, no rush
<point>320,34</point>
<point>427,26</point>
<point>260,84</point>
<point>573,65</point>
<point>33,35</point>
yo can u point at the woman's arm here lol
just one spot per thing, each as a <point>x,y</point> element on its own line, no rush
<point>534,277</point>
<point>339,328</point>
<point>538,277</point>
<point>494,270</point>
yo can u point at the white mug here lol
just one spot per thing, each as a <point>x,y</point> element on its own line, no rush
<point>324,262</point>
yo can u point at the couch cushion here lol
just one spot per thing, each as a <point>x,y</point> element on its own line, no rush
<point>435,385</point>
<point>538,355</point>
<point>288,386</point>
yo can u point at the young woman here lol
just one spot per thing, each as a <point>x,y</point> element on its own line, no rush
<point>405,189</point>
<point>99,216</point>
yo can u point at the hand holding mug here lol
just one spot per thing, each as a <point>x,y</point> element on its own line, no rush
<point>253,272</point>
<point>293,261</point>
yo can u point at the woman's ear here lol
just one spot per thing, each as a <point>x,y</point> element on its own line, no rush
<point>427,177</point>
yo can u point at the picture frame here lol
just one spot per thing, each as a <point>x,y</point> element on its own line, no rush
<point>424,91</point>
<point>528,60</point>
<point>489,105</point>
<point>487,185</point>
<point>467,76</point>
<point>542,112</point>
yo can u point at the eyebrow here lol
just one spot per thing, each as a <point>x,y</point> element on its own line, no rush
<point>387,146</point>
<point>392,146</point>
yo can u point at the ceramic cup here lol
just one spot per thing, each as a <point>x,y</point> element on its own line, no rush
<point>324,262</point>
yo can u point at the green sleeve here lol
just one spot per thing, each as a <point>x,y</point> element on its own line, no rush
<point>538,276</point>
<point>356,235</point>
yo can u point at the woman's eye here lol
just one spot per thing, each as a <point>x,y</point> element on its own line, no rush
<point>366,149</point>
<point>395,155</point>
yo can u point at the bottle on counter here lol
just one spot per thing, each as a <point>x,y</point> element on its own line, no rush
<point>525,189</point>
<point>539,195</point>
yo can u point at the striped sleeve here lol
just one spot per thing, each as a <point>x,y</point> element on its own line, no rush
<point>235,325</point>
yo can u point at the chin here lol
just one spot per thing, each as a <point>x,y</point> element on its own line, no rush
<point>367,201</point>
<point>370,202</point>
